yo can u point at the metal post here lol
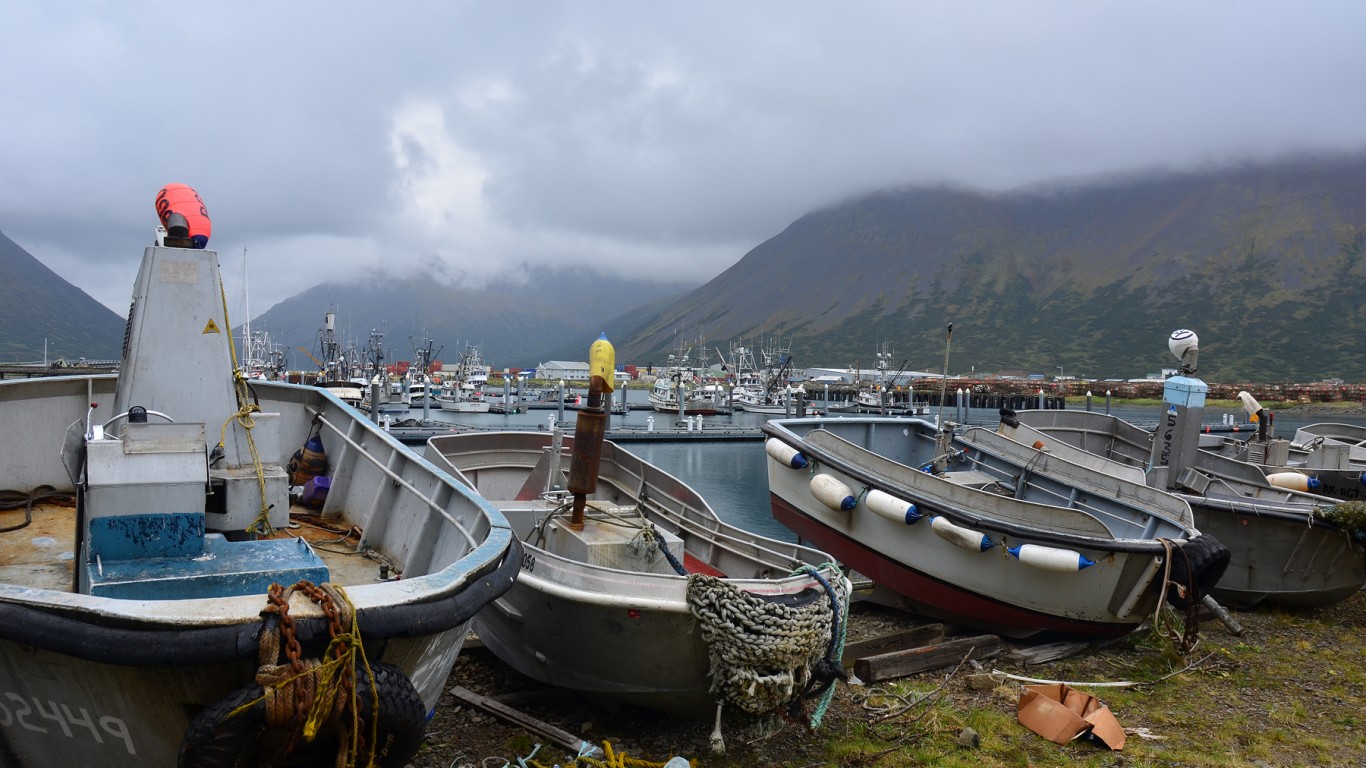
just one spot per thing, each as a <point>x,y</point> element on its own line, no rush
<point>560,403</point>
<point>1107,402</point>
<point>1088,401</point>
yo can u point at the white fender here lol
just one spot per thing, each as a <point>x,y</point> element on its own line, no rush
<point>1293,481</point>
<point>1051,558</point>
<point>784,454</point>
<point>832,493</point>
<point>963,537</point>
<point>892,508</point>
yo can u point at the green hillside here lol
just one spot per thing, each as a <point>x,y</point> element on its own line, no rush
<point>37,306</point>
<point>1264,262</point>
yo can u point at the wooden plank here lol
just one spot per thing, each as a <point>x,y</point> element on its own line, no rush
<point>925,634</point>
<point>915,660</point>
<point>545,730</point>
<point>1038,654</point>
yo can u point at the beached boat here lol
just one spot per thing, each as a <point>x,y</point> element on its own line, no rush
<point>625,573</point>
<point>1286,548</point>
<point>1325,459</point>
<point>158,559</point>
<point>982,530</point>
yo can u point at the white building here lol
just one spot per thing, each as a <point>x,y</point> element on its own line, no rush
<point>562,369</point>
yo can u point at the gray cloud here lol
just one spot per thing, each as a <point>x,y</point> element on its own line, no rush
<point>476,141</point>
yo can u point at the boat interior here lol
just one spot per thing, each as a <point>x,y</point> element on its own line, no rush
<point>525,475</point>
<point>1027,486</point>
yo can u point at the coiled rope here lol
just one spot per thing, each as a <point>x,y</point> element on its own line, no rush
<point>762,655</point>
<point>44,493</point>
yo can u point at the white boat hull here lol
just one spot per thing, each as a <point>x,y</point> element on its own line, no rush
<point>116,672</point>
<point>926,560</point>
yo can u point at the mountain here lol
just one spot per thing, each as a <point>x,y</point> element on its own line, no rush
<point>37,306</point>
<point>556,315</point>
<point>1263,261</point>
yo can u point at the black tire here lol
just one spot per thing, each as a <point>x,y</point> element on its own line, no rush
<point>214,740</point>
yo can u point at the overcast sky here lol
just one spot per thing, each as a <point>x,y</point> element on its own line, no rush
<point>473,140</point>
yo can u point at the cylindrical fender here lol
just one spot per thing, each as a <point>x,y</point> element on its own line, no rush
<point>964,537</point>
<point>832,493</point>
<point>892,508</point>
<point>785,454</point>
<point>1051,558</point>
<point>222,736</point>
<point>1293,481</point>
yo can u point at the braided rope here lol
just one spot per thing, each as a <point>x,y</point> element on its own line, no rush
<point>245,408</point>
<point>761,654</point>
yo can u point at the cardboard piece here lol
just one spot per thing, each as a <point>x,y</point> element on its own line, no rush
<point>1060,714</point>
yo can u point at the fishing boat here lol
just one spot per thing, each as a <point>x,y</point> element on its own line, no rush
<point>667,391</point>
<point>631,588</point>
<point>1287,545</point>
<point>786,402</point>
<point>976,528</point>
<point>679,389</point>
<point>879,395</point>
<point>190,542</point>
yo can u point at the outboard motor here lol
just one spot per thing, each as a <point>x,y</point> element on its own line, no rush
<point>1178,429</point>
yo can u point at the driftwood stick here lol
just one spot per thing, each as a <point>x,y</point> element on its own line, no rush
<point>545,730</point>
<point>1223,615</point>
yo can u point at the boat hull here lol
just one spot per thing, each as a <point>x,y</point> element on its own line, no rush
<point>982,586</point>
<point>1281,551</point>
<point>84,675</point>
<point>625,635</point>
<point>933,596</point>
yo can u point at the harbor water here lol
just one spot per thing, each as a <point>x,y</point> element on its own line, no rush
<point>731,475</point>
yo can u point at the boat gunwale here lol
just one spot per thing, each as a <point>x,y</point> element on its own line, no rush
<point>777,429</point>
<point>219,629</point>
<point>1291,509</point>
<point>655,582</point>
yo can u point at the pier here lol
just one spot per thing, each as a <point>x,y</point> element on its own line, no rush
<point>417,434</point>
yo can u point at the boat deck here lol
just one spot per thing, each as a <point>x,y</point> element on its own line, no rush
<point>41,554</point>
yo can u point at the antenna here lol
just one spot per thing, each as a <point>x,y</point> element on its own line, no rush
<point>944,379</point>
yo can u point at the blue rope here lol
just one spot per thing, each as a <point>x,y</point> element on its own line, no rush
<point>831,667</point>
<point>673,561</point>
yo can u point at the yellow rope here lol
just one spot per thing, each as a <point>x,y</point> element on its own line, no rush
<point>327,678</point>
<point>245,408</point>
<point>610,759</point>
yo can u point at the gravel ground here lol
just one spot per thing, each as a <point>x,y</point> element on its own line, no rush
<point>462,736</point>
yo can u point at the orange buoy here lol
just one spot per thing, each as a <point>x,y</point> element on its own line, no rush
<point>182,199</point>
